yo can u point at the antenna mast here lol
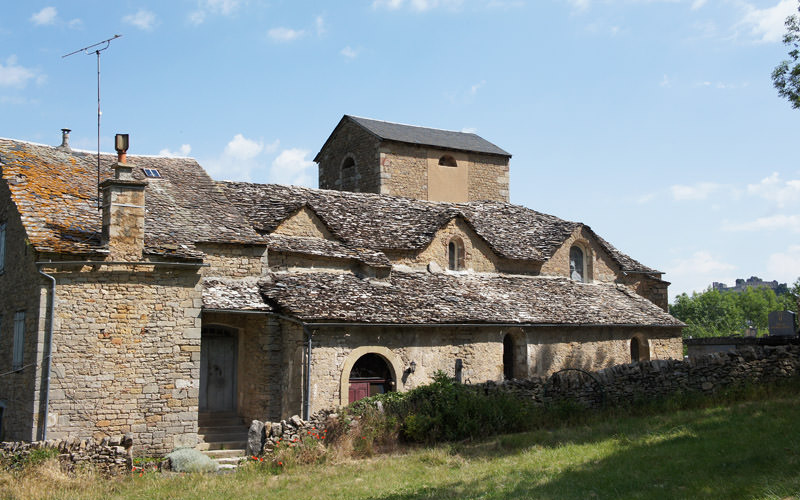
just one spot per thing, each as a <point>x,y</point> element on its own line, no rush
<point>87,51</point>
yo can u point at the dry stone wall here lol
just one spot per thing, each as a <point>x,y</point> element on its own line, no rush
<point>111,455</point>
<point>652,380</point>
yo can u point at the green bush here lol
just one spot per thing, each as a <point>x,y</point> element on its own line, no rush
<point>191,460</point>
<point>445,410</point>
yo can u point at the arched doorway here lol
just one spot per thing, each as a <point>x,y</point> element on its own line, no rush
<point>508,357</point>
<point>369,376</point>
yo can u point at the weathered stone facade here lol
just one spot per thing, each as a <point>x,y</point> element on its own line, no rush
<point>358,159</point>
<point>187,299</point>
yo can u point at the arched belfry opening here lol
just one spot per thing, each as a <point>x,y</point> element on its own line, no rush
<point>369,376</point>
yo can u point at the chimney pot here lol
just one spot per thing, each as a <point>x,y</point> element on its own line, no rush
<point>65,139</point>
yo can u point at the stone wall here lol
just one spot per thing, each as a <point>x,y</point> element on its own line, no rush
<point>304,223</point>
<point>126,354</point>
<point>23,289</point>
<point>488,177</point>
<point>351,140</point>
<point>111,456</point>
<point>536,351</point>
<point>650,380</point>
<point>234,260</point>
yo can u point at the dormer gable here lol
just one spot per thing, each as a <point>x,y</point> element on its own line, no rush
<point>454,247</point>
<point>306,223</point>
<point>582,257</point>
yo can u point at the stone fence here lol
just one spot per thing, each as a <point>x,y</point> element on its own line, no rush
<point>650,380</point>
<point>110,456</point>
<point>263,437</point>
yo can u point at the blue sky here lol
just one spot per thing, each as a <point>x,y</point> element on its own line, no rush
<point>654,122</point>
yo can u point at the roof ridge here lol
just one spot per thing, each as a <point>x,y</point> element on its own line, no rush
<point>79,150</point>
<point>413,126</point>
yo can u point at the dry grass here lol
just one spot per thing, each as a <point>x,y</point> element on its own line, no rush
<point>47,480</point>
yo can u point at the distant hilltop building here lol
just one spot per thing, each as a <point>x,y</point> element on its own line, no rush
<point>742,285</point>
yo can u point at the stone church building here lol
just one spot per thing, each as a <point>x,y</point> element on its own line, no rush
<point>176,308</point>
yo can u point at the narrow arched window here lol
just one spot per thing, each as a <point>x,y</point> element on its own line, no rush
<point>447,161</point>
<point>455,254</point>
<point>577,268</point>
<point>634,350</point>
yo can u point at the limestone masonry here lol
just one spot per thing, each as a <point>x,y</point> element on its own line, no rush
<point>187,305</point>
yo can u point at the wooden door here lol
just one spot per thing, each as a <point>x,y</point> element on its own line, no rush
<point>358,390</point>
<point>218,372</point>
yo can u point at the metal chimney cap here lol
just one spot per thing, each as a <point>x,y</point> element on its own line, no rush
<point>65,139</point>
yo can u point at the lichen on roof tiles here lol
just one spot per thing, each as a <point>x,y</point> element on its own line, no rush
<point>420,297</point>
<point>56,193</point>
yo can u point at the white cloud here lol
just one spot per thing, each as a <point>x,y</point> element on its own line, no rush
<point>698,4</point>
<point>14,75</point>
<point>242,148</point>
<point>701,264</point>
<point>206,7</point>
<point>349,52</point>
<point>241,159</point>
<point>785,265</point>
<point>75,23</point>
<point>476,87</point>
<point>282,34</point>
<point>579,5</point>
<point>767,25</point>
<point>769,223</point>
<point>184,151</point>
<point>665,82</point>
<point>319,23</point>
<point>418,5</point>
<point>144,20</point>
<point>45,16</point>
<point>292,167</point>
<point>775,190</point>
<point>699,191</point>
<point>646,198</point>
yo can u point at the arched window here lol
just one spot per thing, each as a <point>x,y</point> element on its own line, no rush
<point>447,161</point>
<point>455,254</point>
<point>640,348</point>
<point>508,357</point>
<point>577,266</point>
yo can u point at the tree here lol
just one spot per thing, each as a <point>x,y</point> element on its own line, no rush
<point>715,314</point>
<point>786,76</point>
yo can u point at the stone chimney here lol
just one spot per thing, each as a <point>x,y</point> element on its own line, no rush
<point>123,209</point>
<point>65,139</point>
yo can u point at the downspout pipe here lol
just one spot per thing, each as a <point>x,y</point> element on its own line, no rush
<point>49,352</point>
<point>307,402</point>
<point>309,334</point>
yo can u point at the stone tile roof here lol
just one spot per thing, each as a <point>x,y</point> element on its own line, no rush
<point>325,248</point>
<point>410,134</point>
<point>382,222</point>
<point>56,193</point>
<point>233,294</point>
<point>420,297</point>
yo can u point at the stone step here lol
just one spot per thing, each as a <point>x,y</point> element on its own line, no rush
<point>224,454</point>
<point>222,429</point>
<point>223,437</point>
<point>238,445</point>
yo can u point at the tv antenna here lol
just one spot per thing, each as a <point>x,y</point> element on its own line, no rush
<point>88,51</point>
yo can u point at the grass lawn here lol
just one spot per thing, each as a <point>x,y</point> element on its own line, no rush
<point>744,450</point>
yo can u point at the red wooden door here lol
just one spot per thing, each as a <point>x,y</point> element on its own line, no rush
<point>358,390</point>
